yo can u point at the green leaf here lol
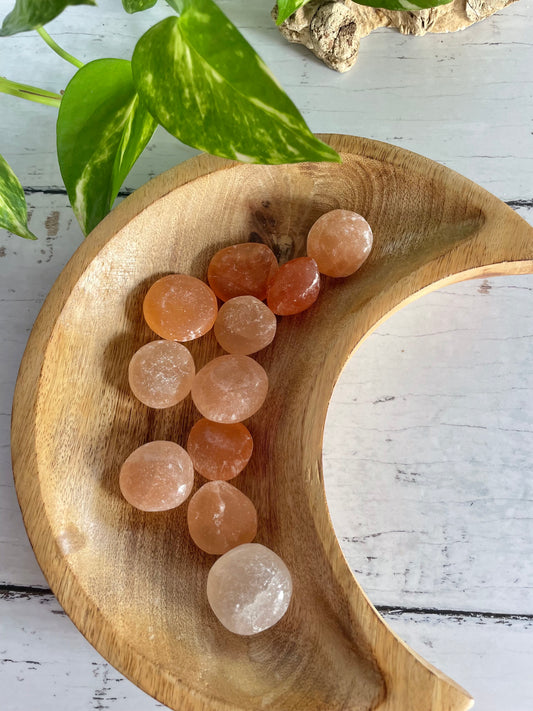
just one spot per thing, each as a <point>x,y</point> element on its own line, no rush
<point>286,8</point>
<point>29,14</point>
<point>137,5</point>
<point>206,85</point>
<point>102,128</point>
<point>403,5</point>
<point>13,208</point>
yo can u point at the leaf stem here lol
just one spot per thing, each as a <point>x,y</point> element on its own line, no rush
<point>57,49</point>
<point>31,93</point>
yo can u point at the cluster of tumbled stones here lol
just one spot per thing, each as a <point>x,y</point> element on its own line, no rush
<point>249,587</point>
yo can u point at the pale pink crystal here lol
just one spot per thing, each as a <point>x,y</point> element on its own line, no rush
<point>157,476</point>
<point>249,589</point>
<point>244,325</point>
<point>339,242</point>
<point>230,388</point>
<point>161,373</point>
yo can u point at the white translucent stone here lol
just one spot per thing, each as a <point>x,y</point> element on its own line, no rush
<point>249,589</point>
<point>161,373</point>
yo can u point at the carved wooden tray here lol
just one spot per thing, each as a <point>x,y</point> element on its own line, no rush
<point>133,582</point>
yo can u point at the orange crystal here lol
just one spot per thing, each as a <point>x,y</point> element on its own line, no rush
<point>157,476</point>
<point>230,388</point>
<point>339,242</point>
<point>221,517</point>
<point>161,373</point>
<point>219,451</point>
<point>244,325</point>
<point>180,307</point>
<point>295,287</point>
<point>241,270</point>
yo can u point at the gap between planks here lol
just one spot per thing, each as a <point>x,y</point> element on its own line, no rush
<point>28,591</point>
<point>514,204</point>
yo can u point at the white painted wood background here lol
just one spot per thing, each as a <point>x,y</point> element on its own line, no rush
<point>429,441</point>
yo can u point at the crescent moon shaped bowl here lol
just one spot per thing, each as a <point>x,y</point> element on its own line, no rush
<point>133,582</point>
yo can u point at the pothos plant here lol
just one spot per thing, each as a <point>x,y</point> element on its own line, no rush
<point>193,73</point>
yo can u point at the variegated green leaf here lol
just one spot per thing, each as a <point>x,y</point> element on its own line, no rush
<point>102,128</point>
<point>206,85</point>
<point>286,8</point>
<point>29,14</point>
<point>13,208</point>
<point>137,5</point>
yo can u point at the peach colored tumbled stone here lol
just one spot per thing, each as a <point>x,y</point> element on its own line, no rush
<point>295,287</point>
<point>161,373</point>
<point>242,269</point>
<point>244,325</point>
<point>157,476</point>
<point>221,517</point>
<point>230,388</point>
<point>219,451</point>
<point>339,242</point>
<point>180,307</point>
<point>249,589</point>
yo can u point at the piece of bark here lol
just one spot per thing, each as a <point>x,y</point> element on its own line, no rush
<point>332,29</point>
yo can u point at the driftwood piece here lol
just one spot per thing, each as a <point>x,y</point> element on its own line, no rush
<point>332,29</point>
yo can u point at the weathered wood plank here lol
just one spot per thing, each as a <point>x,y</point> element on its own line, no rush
<point>27,271</point>
<point>462,505</point>
<point>491,658</point>
<point>426,467</point>
<point>431,94</point>
<point>428,451</point>
<point>45,662</point>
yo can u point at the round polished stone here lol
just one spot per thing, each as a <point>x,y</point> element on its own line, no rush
<point>157,476</point>
<point>221,517</point>
<point>180,307</point>
<point>249,589</point>
<point>241,270</point>
<point>160,373</point>
<point>295,287</point>
<point>244,325</point>
<point>339,242</point>
<point>230,388</point>
<point>219,451</point>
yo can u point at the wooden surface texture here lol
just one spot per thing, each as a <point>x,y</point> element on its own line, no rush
<point>427,445</point>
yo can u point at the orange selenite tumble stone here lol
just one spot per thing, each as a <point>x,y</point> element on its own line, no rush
<point>221,517</point>
<point>230,388</point>
<point>180,307</point>
<point>339,242</point>
<point>295,287</point>
<point>245,325</point>
<point>242,270</point>
<point>157,476</point>
<point>219,451</point>
<point>161,373</point>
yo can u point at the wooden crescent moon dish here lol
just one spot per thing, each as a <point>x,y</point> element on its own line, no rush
<point>133,582</point>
